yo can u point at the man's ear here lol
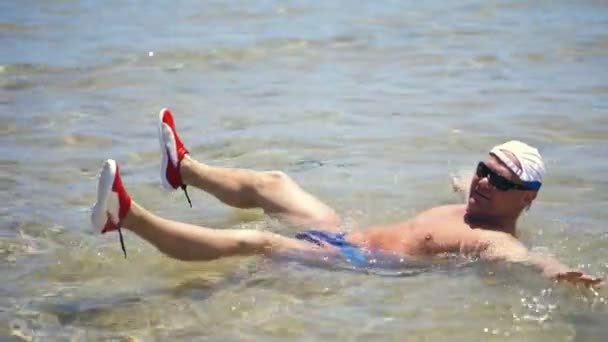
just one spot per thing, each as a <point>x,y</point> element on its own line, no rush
<point>528,197</point>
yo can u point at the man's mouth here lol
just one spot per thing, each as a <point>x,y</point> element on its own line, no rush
<point>481,195</point>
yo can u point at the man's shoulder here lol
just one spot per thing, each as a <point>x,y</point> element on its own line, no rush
<point>443,212</point>
<point>448,208</point>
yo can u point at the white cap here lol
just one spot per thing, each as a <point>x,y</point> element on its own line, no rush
<point>532,166</point>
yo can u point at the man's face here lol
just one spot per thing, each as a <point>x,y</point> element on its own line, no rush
<point>486,200</point>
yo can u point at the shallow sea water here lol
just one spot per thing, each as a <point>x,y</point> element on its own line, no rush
<point>371,106</point>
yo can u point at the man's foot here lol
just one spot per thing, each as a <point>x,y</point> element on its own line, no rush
<point>172,152</point>
<point>113,201</point>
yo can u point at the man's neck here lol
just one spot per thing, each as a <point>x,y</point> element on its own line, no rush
<point>501,224</point>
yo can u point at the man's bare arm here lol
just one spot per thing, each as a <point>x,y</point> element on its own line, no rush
<point>505,247</point>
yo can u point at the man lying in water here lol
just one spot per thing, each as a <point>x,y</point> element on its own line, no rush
<point>505,183</point>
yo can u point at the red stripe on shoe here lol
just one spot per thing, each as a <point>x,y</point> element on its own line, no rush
<point>181,149</point>
<point>124,199</point>
<point>124,204</point>
<point>173,175</point>
<point>110,226</point>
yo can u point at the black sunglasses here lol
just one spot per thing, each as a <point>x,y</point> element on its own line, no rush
<point>498,181</point>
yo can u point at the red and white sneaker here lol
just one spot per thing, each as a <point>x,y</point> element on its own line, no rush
<point>113,201</point>
<point>172,152</point>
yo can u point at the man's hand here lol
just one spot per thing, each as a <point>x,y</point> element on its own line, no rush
<point>458,185</point>
<point>461,184</point>
<point>579,278</point>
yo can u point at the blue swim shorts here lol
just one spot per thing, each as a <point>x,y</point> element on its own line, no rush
<point>352,253</point>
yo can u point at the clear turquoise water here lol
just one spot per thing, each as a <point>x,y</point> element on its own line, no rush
<point>369,106</point>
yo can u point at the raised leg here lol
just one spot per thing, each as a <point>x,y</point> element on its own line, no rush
<point>194,243</point>
<point>273,191</point>
<point>114,208</point>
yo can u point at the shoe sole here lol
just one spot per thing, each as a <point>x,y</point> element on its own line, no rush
<point>99,216</point>
<point>164,153</point>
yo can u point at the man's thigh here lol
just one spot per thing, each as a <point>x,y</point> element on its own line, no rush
<point>288,201</point>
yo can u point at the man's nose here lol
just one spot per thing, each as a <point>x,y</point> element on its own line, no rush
<point>484,183</point>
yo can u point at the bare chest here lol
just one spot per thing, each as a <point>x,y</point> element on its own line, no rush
<point>430,233</point>
<point>430,237</point>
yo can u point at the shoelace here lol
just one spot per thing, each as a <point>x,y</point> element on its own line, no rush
<point>122,242</point>
<point>184,187</point>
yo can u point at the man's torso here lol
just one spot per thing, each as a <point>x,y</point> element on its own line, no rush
<point>434,231</point>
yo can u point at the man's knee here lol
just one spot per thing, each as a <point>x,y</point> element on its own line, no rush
<point>254,242</point>
<point>272,180</point>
